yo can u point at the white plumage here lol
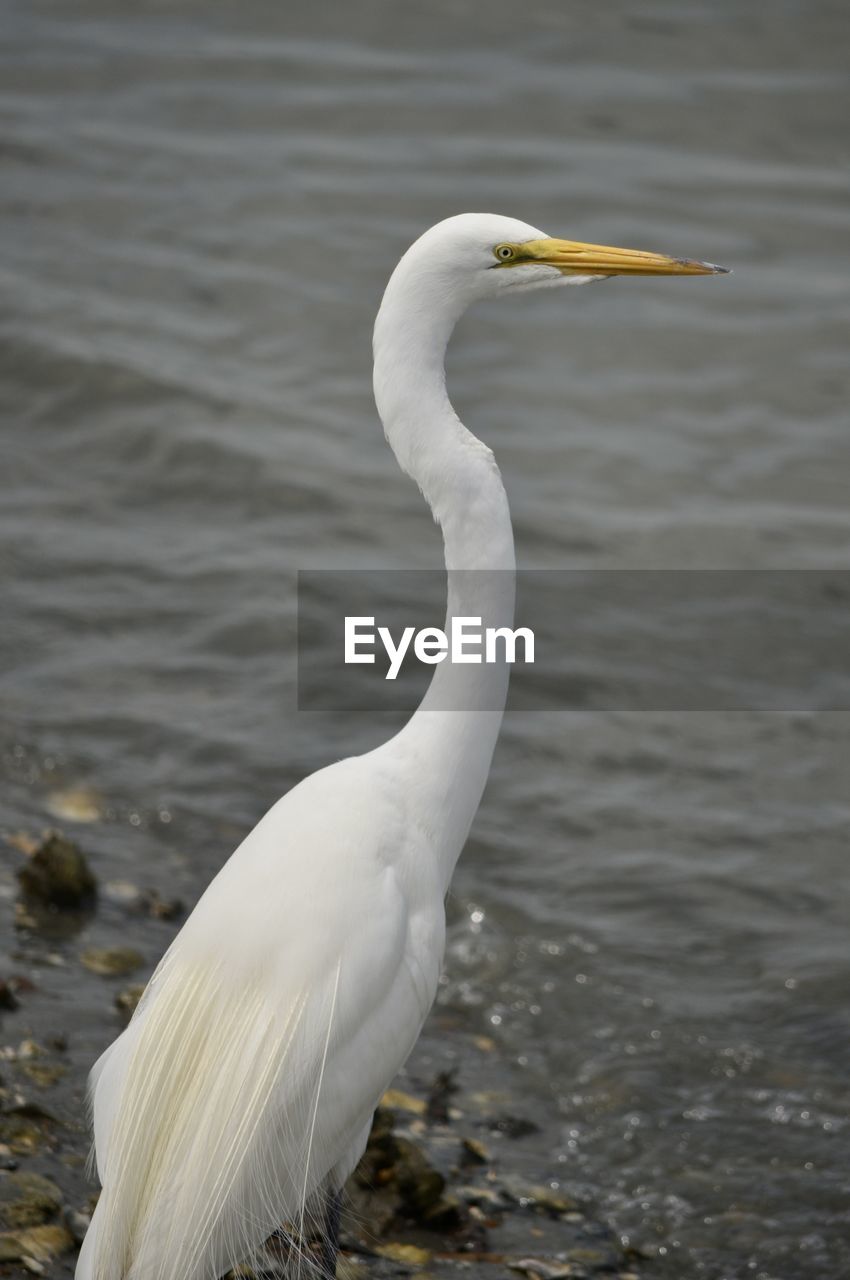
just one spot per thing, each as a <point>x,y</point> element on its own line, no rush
<point>228,1101</point>
<point>241,1094</point>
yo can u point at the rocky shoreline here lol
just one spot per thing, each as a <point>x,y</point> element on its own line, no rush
<point>434,1194</point>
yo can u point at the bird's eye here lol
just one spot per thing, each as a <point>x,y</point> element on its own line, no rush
<point>504,252</point>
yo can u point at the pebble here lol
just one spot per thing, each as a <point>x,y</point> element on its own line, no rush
<point>411,1254</point>
<point>541,1268</point>
<point>75,804</point>
<point>485,1043</point>
<point>112,962</point>
<point>398,1100</point>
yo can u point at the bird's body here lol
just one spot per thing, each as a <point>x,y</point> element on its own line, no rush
<point>241,1094</point>
<point>276,1007</point>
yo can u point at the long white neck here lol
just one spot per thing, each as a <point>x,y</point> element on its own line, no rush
<point>445,753</point>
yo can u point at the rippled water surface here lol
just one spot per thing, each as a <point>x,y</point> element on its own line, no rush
<point>200,205</point>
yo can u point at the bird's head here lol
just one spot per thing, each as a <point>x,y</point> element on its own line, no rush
<point>482,255</point>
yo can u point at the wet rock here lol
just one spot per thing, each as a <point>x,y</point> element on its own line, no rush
<point>483,1197</point>
<point>127,1000</point>
<point>439,1097</point>
<point>542,1269</point>
<point>56,874</point>
<point>513,1126</point>
<point>27,917</point>
<point>21,1106</point>
<point>395,1183</point>
<point>420,1186</point>
<point>12,989</point>
<point>44,1074</point>
<point>595,1258</point>
<point>545,1199</point>
<point>161,908</point>
<point>147,902</point>
<point>112,962</point>
<point>77,1223</point>
<point>20,1138</point>
<point>40,1244</point>
<point>27,1199</point>
<point>474,1152</point>
<point>8,1000</point>
<point>25,1128</point>
<point>444,1215</point>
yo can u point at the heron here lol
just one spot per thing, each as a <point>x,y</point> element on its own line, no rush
<point>240,1096</point>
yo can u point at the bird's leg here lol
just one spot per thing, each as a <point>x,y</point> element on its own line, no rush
<point>330,1237</point>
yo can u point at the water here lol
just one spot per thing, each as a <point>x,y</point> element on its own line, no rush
<point>200,207</point>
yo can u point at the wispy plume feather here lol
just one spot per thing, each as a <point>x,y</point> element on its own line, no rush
<point>210,1145</point>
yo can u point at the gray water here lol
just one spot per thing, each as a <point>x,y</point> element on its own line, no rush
<point>200,205</point>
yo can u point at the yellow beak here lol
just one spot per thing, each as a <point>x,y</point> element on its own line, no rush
<point>573,258</point>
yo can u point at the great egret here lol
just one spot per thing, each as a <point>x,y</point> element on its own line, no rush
<point>241,1094</point>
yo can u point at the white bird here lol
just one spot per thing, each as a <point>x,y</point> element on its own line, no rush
<point>240,1097</point>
